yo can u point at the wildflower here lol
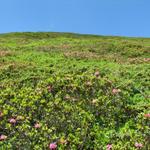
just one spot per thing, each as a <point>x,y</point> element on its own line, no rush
<point>109,146</point>
<point>49,88</point>
<point>88,83</point>
<point>97,73</point>
<point>37,125</point>
<point>3,137</point>
<point>12,121</point>
<point>67,97</point>
<point>116,91</point>
<point>146,59</point>
<point>147,115</point>
<point>1,114</point>
<point>53,146</point>
<point>94,101</point>
<point>138,145</point>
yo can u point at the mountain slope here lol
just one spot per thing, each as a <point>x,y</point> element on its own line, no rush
<point>75,91</point>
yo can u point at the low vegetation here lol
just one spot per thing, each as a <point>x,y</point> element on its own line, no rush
<point>74,92</point>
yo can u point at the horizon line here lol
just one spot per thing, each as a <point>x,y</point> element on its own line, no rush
<point>88,34</point>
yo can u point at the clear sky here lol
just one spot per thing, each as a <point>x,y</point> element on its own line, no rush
<point>104,17</point>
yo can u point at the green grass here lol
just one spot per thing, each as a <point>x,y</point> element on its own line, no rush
<point>49,78</point>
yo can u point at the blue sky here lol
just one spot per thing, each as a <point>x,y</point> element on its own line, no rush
<point>104,17</point>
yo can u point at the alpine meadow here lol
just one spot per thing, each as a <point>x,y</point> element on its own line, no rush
<point>69,91</point>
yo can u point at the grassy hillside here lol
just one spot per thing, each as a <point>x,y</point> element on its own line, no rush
<point>76,92</point>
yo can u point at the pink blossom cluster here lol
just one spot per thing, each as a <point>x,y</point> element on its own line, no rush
<point>53,146</point>
<point>12,121</point>
<point>3,137</point>
<point>109,146</point>
<point>138,145</point>
<point>37,125</point>
<point>147,115</point>
<point>116,91</point>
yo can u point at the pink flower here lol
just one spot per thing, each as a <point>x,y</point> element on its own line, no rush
<point>37,125</point>
<point>109,146</point>
<point>147,115</point>
<point>53,146</point>
<point>138,145</point>
<point>12,121</point>
<point>116,91</point>
<point>3,137</point>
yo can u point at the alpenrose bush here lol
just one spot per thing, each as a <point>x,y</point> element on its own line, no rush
<point>79,110</point>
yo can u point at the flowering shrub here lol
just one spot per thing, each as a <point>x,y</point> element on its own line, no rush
<point>48,101</point>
